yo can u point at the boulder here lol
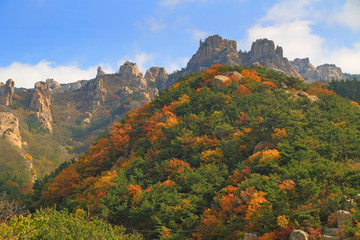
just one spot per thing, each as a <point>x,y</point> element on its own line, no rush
<point>7,92</point>
<point>220,80</point>
<point>298,235</point>
<point>342,217</point>
<point>250,236</point>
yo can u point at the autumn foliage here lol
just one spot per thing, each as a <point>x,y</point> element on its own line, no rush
<point>209,161</point>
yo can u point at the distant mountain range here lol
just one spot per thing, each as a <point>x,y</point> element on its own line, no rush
<point>69,117</point>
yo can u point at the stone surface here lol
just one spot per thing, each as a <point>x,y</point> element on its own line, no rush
<point>40,103</point>
<point>329,237</point>
<point>220,80</point>
<point>74,86</point>
<point>342,217</point>
<point>250,236</point>
<point>298,235</point>
<point>130,72</point>
<point>296,94</point>
<point>7,92</point>
<point>158,76</point>
<point>214,50</point>
<point>331,231</point>
<point>263,52</point>
<point>9,128</point>
<point>100,72</point>
<point>96,91</point>
<point>329,72</point>
<point>326,72</point>
<point>53,85</point>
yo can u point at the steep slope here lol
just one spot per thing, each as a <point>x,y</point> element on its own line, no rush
<point>221,153</point>
<point>53,123</point>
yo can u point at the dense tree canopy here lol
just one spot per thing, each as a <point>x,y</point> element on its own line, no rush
<point>215,157</point>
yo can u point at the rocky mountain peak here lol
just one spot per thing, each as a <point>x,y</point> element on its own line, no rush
<point>263,51</point>
<point>214,50</point>
<point>158,76</point>
<point>53,85</point>
<point>7,92</point>
<point>261,48</point>
<point>129,70</point>
<point>100,72</point>
<point>131,73</point>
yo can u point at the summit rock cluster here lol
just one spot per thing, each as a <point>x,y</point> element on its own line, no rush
<point>216,50</point>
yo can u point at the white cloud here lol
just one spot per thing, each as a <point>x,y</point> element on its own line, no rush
<point>284,11</point>
<point>179,63</point>
<point>198,34</point>
<point>26,75</point>
<point>347,58</point>
<point>350,15</point>
<point>295,37</point>
<point>155,25</point>
<point>289,23</point>
<point>143,60</point>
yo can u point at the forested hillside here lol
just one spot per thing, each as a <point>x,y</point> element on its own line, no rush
<point>221,153</point>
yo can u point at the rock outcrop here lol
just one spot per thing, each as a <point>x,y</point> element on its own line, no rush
<point>305,68</point>
<point>74,86</point>
<point>53,85</point>
<point>330,72</point>
<point>40,103</point>
<point>326,72</point>
<point>9,128</point>
<point>7,92</point>
<point>342,217</point>
<point>250,236</point>
<point>100,72</point>
<point>263,51</point>
<point>298,235</point>
<point>157,77</point>
<point>96,91</point>
<point>214,50</point>
<point>130,72</point>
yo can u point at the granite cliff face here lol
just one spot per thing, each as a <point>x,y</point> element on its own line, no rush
<point>53,85</point>
<point>9,128</point>
<point>326,72</point>
<point>40,103</point>
<point>157,77</point>
<point>329,72</point>
<point>7,92</point>
<point>263,51</point>
<point>214,50</point>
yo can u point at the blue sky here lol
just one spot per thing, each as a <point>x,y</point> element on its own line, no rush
<point>67,40</point>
